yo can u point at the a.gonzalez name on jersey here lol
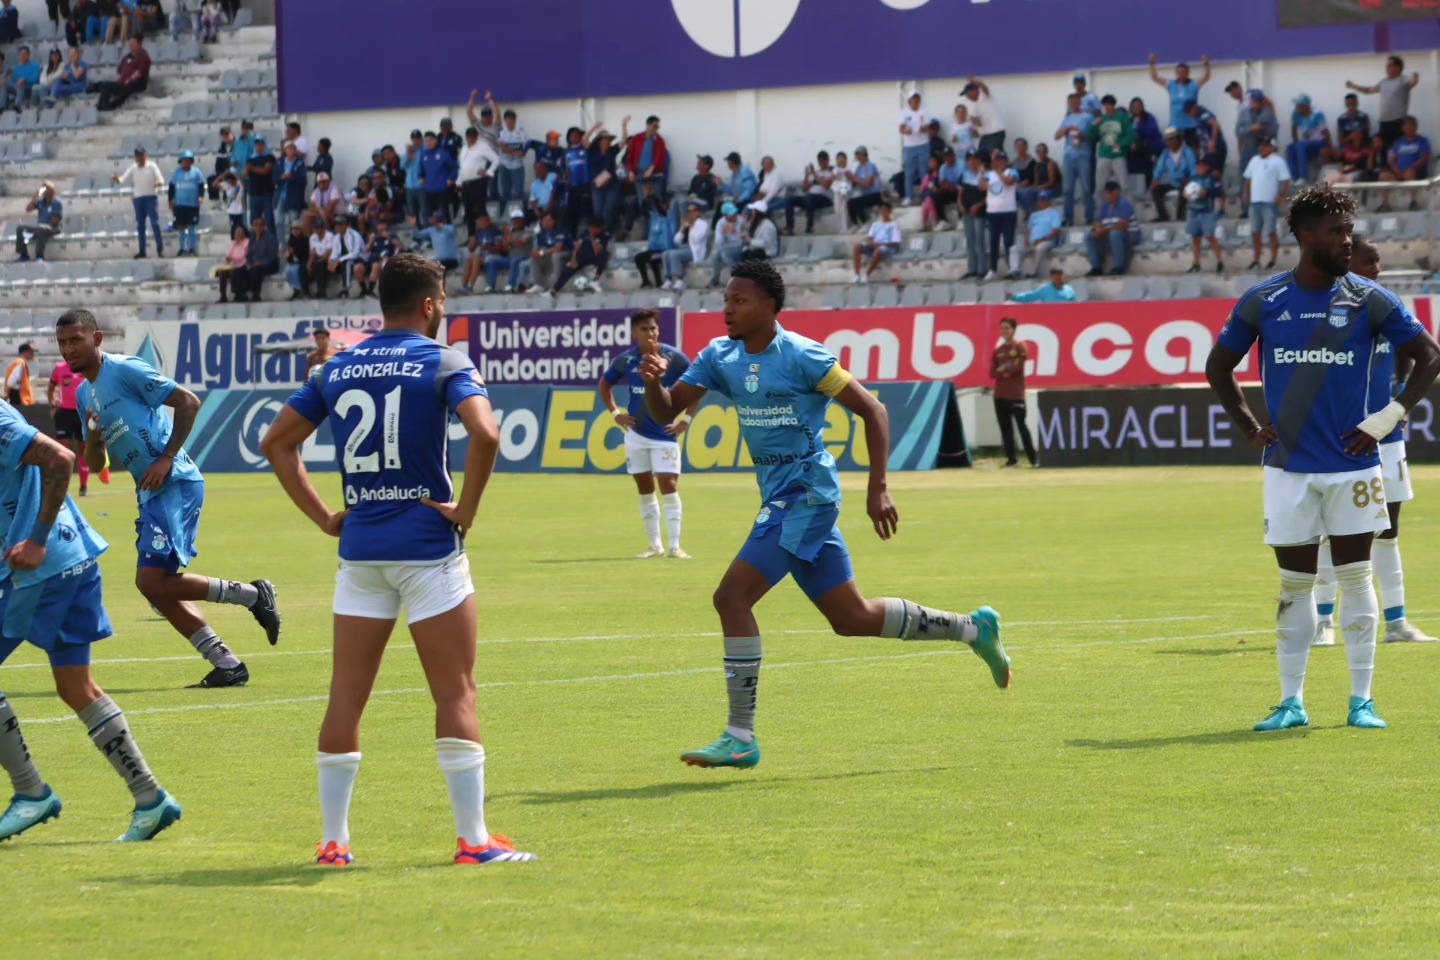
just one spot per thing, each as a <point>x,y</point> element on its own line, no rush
<point>364,371</point>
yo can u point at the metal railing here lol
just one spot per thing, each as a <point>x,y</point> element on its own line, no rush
<point>1422,277</point>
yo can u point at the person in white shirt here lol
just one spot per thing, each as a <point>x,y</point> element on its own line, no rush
<point>232,198</point>
<point>477,161</point>
<point>1267,179</point>
<point>692,244</point>
<point>882,242</point>
<point>293,135</point>
<point>814,194</point>
<point>963,137</point>
<point>914,145</point>
<point>772,186</point>
<point>1002,213</point>
<point>984,117</point>
<point>326,201</point>
<point>764,239</point>
<point>513,144</point>
<point>146,181</point>
<point>324,248</point>
<point>348,248</point>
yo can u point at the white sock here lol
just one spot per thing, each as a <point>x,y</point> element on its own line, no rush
<point>650,514</point>
<point>337,783</point>
<point>1325,586</point>
<point>671,503</point>
<point>463,763</point>
<point>1389,577</point>
<point>209,645</point>
<point>1359,619</point>
<point>232,591</point>
<point>1294,629</point>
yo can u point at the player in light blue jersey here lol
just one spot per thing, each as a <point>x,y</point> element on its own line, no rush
<point>781,384</point>
<point>120,403</point>
<point>652,450</point>
<point>50,595</point>
<point>1386,379</point>
<point>389,402</point>
<point>1319,328</point>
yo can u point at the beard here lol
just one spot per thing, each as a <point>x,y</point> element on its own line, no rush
<point>1334,265</point>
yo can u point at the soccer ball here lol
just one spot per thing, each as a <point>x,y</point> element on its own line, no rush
<point>581,284</point>
<point>1192,190</point>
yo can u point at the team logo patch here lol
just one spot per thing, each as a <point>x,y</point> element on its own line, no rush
<point>764,515</point>
<point>1338,318</point>
<point>157,541</point>
<point>754,368</point>
<point>752,384</point>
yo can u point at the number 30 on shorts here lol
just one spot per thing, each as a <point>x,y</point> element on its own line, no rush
<point>1365,492</point>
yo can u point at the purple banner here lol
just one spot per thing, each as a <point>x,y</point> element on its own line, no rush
<point>567,49</point>
<point>566,348</point>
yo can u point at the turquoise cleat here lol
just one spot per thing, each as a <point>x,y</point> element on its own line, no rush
<point>987,646</point>
<point>147,822</point>
<point>1362,715</point>
<point>728,751</point>
<point>1290,713</point>
<point>26,812</point>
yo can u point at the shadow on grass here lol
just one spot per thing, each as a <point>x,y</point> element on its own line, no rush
<point>1218,738</point>
<point>297,875</point>
<point>586,559</point>
<point>1215,651</point>
<point>50,694</point>
<point>656,791</point>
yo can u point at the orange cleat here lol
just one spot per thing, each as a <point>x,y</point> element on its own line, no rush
<point>498,850</point>
<point>332,855</point>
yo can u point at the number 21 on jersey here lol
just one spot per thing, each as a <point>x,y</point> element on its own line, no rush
<point>354,461</point>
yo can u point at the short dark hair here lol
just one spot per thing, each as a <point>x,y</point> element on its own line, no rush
<point>320,332</point>
<point>1009,320</point>
<point>80,316</point>
<point>1398,61</point>
<point>1360,242</point>
<point>406,280</point>
<point>1317,202</point>
<point>292,125</point>
<point>325,142</point>
<point>651,119</point>
<point>27,345</point>
<point>763,274</point>
<point>640,316</point>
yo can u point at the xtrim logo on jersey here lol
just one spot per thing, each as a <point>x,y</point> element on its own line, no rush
<point>1326,357</point>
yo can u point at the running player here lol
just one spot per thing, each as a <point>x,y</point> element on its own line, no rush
<point>50,595</point>
<point>1319,327</point>
<point>388,402</point>
<point>60,394</point>
<point>119,405</point>
<point>1389,576</point>
<point>652,451</point>
<point>781,384</point>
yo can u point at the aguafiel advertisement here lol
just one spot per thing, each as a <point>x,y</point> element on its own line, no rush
<point>568,430</point>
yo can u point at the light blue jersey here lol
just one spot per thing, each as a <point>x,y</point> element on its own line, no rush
<point>780,395</point>
<point>72,542</point>
<point>188,186</point>
<point>389,402</point>
<point>127,396</point>
<point>1317,355</point>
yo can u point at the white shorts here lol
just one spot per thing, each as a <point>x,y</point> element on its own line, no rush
<point>378,591</point>
<point>1396,471</point>
<point>1303,507</point>
<point>643,455</point>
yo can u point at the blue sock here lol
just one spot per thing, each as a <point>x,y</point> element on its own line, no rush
<point>1394,613</point>
<point>1324,610</point>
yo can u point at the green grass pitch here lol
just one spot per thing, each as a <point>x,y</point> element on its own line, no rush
<point>1114,803</point>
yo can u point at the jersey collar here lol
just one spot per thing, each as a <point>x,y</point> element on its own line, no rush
<point>773,344</point>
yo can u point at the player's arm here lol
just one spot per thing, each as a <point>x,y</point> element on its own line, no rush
<point>478,418</point>
<point>861,402</point>
<point>607,396</point>
<point>281,446</point>
<point>50,389</point>
<point>1220,372</point>
<point>185,406</point>
<point>55,463</point>
<point>666,403</point>
<point>1421,356</point>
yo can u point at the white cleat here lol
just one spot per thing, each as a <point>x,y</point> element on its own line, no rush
<point>650,553</point>
<point>677,554</point>
<point>1324,634</point>
<point>1400,631</point>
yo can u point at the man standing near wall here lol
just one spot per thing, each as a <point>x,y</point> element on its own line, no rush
<point>914,145</point>
<point>17,378</point>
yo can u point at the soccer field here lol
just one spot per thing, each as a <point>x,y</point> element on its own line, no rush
<point>1113,803</point>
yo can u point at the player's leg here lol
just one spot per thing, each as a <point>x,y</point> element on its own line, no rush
<point>440,601</point>
<point>1293,528</point>
<point>638,465</point>
<point>32,801</point>
<point>667,478</point>
<point>1389,574</point>
<point>82,466</point>
<point>1354,511</point>
<point>1325,593</point>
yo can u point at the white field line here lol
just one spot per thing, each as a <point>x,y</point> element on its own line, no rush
<point>610,678</point>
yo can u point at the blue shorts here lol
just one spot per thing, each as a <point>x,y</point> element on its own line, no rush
<point>800,540</point>
<point>1200,223</point>
<point>868,250</point>
<point>62,616</point>
<point>1263,218</point>
<point>168,524</point>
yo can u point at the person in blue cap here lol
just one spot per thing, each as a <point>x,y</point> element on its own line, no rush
<point>1255,122</point>
<point>186,187</point>
<point>1308,135</point>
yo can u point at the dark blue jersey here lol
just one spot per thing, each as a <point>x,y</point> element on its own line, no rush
<point>627,368</point>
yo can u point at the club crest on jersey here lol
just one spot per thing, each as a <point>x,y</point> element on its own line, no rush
<point>1338,318</point>
<point>752,384</point>
<point>157,543</point>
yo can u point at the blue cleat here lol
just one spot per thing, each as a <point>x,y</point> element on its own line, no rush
<point>26,812</point>
<point>987,646</point>
<point>1290,713</point>
<point>728,751</point>
<point>1362,715</point>
<point>148,821</point>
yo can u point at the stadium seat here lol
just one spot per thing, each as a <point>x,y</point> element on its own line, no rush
<point>857,296</point>
<point>914,248</point>
<point>613,300</point>
<point>1132,289</point>
<point>1189,288</point>
<point>939,295</point>
<point>821,248</point>
<point>713,301</point>
<point>1243,283</point>
<point>1160,288</point>
<point>1234,235</point>
<point>886,295</point>
<point>690,300</point>
<point>992,293</point>
<point>1388,228</point>
<point>914,295</point>
<point>966,291</point>
<point>793,249</point>
<point>834,298</point>
<point>942,246</point>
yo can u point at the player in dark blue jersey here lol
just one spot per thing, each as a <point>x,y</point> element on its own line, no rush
<point>1319,328</point>
<point>389,402</point>
<point>781,384</point>
<point>1387,377</point>
<point>50,596</point>
<point>652,450</point>
<point>120,404</point>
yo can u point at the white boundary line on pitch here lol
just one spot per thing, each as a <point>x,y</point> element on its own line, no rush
<point>606,678</point>
<point>603,636</point>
